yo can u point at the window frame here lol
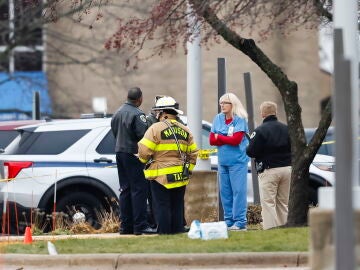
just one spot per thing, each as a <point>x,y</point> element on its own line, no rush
<point>105,141</point>
<point>20,48</point>
<point>29,142</point>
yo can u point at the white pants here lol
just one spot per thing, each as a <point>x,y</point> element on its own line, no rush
<point>274,188</point>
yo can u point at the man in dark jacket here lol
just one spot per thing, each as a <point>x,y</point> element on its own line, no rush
<point>128,126</point>
<point>270,146</point>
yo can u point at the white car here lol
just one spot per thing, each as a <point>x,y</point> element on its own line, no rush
<point>77,158</point>
<point>322,169</point>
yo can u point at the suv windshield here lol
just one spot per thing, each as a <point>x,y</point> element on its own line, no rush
<point>46,143</point>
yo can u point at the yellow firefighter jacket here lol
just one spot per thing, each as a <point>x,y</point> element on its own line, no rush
<point>159,148</point>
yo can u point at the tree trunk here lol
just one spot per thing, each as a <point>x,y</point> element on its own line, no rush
<point>298,203</point>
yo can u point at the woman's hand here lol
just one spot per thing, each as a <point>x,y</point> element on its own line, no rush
<point>214,139</point>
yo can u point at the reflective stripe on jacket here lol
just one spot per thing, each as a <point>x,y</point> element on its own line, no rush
<point>159,147</point>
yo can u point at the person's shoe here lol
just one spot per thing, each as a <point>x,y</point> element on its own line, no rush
<point>125,232</point>
<point>147,230</point>
<point>186,228</point>
<point>236,228</point>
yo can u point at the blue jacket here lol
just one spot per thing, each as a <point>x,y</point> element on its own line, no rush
<point>229,154</point>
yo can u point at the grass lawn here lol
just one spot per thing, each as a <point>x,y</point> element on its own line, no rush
<point>284,239</point>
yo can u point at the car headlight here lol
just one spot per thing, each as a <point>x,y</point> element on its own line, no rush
<point>325,166</point>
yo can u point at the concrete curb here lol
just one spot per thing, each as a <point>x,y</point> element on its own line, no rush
<point>143,260</point>
<point>119,261</point>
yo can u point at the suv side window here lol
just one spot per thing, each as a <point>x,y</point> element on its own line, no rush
<point>107,145</point>
<point>47,143</point>
<point>6,137</point>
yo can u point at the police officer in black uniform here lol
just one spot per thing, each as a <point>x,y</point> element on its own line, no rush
<point>270,146</point>
<point>128,126</point>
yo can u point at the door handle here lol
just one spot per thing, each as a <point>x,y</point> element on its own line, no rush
<point>103,160</point>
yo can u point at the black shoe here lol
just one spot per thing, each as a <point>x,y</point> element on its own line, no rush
<point>186,228</point>
<point>147,230</point>
<point>124,232</point>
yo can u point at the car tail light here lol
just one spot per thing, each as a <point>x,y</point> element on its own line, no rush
<point>12,168</point>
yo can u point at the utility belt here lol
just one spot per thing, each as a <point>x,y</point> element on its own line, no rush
<point>261,166</point>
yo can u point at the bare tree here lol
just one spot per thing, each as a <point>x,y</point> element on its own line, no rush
<point>75,46</point>
<point>166,27</point>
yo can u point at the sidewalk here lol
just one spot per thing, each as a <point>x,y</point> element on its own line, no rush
<point>158,261</point>
<point>235,260</point>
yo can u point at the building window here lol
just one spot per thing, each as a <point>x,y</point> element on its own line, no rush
<point>27,60</point>
<point>21,36</point>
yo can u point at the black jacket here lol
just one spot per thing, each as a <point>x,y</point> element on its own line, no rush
<point>128,126</point>
<point>270,144</point>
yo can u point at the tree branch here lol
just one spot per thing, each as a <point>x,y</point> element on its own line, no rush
<point>322,11</point>
<point>320,133</point>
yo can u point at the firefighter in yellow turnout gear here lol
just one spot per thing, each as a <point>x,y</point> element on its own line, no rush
<point>169,149</point>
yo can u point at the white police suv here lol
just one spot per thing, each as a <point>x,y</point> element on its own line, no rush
<point>68,163</point>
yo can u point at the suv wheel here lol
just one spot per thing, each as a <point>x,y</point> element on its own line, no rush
<point>79,204</point>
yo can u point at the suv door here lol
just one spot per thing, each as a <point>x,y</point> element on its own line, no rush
<point>101,160</point>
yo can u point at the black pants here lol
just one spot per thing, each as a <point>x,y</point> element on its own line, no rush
<point>150,212</point>
<point>133,192</point>
<point>168,207</point>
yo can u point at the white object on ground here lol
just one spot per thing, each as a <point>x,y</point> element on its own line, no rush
<point>214,230</point>
<point>51,248</point>
<point>208,230</point>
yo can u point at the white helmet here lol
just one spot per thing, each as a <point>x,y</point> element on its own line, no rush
<point>167,103</point>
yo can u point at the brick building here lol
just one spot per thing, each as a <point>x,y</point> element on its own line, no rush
<point>73,87</point>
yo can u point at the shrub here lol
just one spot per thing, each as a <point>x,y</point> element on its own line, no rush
<point>109,221</point>
<point>254,214</point>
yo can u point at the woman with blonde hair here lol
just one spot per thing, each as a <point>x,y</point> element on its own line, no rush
<point>228,133</point>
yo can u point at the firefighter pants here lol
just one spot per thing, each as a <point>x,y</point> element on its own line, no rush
<point>168,207</point>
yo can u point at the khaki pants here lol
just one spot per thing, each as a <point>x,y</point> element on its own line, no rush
<point>274,188</point>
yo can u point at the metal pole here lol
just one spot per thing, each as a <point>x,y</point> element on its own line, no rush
<point>221,78</point>
<point>36,106</point>
<point>251,122</point>
<point>221,91</point>
<point>344,217</point>
<point>194,85</point>
<point>346,18</point>
<point>346,128</point>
